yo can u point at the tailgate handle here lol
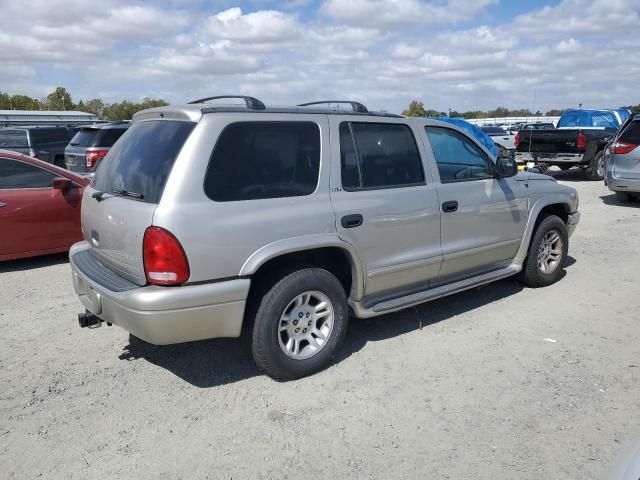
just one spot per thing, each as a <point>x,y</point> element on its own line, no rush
<point>352,221</point>
<point>2,204</point>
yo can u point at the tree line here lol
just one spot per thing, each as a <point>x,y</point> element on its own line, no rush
<point>417,109</point>
<point>60,99</point>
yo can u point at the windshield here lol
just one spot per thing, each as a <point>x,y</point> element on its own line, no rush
<point>141,161</point>
<point>13,139</point>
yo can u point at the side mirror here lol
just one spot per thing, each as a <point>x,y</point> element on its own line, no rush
<point>61,183</point>
<point>506,167</point>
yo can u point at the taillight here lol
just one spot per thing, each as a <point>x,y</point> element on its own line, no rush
<point>517,140</point>
<point>92,157</point>
<point>581,141</point>
<point>622,147</point>
<point>165,262</point>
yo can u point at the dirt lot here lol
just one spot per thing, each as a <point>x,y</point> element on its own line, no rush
<point>499,383</point>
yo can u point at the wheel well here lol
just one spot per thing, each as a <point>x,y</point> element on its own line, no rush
<point>558,209</point>
<point>333,259</point>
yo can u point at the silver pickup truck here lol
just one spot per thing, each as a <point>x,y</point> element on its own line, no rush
<point>215,220</point>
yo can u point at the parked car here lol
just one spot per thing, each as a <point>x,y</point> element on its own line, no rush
<point>538,126</point>
<point>206,219</point>
<point>504,140</point>
<point>44,143</point>
<point>622,161</point>
<point>39,207</point>
<point>91,144</point>
<point>579,140</point>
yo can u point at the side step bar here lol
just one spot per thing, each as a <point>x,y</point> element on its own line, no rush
<point>407,301</point>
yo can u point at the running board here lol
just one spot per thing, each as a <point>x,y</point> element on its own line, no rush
<point>407,301</point>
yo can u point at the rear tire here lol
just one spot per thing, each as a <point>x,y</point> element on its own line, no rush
<point>623,197</point>
<point>547,253</point>
<point>300,324</point>
<point>595,170</point>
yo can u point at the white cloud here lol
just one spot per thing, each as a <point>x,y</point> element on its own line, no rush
<point>267,26</point>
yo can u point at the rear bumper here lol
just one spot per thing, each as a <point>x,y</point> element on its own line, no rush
<point>166,315</point>
<point>524,157</point>
<point>572,222</point>
<point>617,184</point>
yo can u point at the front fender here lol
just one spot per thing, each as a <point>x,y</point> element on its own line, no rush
<point>308,242</point>
<point>560,198</point>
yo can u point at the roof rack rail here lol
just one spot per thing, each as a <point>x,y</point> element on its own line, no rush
<point>357,106</point>
<point>251,102</point>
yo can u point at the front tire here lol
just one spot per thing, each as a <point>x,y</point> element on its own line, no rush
<point>300,324</point>
<point>595,170</point>
<point>547,253</point>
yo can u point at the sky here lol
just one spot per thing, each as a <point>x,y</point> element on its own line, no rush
<point>458,54</point>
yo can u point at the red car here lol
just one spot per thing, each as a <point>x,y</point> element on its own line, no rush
<point>39,207</point>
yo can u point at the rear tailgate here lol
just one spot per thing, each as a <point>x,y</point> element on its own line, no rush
<point>548,141</point>
<point>128,186</point>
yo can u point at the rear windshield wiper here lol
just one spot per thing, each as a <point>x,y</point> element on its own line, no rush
<point>126,193</point>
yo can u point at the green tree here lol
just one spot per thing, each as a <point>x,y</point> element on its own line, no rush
<point>5,101</point>
<point>23,102</point>
<point>556,112</point>
<point>415,109</point>
<point>126,109</point>
<point>60,99</point>
<point>95,106</point>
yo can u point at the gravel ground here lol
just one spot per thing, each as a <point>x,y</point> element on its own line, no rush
<point>502,382</point>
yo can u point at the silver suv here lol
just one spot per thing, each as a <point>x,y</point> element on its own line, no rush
<point>622,161</point>
<point>211,220</point>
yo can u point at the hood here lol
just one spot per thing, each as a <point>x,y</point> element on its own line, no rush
<point>524,176</point>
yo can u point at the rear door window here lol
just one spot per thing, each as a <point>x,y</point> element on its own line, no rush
<point>258,160</point>
<point>16,174</point>
<point>14,139</point>
<point>142,161</point>
<point>378,155</point>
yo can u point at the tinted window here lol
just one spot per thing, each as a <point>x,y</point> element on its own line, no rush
<point>49,135</point>
<point>16,174</point>
<point>254,160</point>
<point>631,134</point>
<point>494,131</point>
<point>458,158</point>
<point>379,155</point>
<point>106,137</point>
<point>84,137</point>
<point>13,139</point>
<point>141,162</point>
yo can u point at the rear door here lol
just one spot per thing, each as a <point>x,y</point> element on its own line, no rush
<point>385,202</point>
<point>483,218</point>
<point>34,216</point>
<point>121,200</point>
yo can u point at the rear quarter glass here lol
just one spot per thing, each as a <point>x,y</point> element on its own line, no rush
<point>142,160</point>
<point>631,134</point>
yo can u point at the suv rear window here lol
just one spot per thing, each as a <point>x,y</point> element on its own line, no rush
<point>257,160</point>
<point>13,139</point>
<point>94,137</point>
<point>631,134</point>
<point>141,162</point>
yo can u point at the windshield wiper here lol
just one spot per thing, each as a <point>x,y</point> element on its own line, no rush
<point>126,193</point>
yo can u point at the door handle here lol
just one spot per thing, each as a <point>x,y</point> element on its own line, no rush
<point>449,207</point>
<point>2,204</point>
<point>351,221</point>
